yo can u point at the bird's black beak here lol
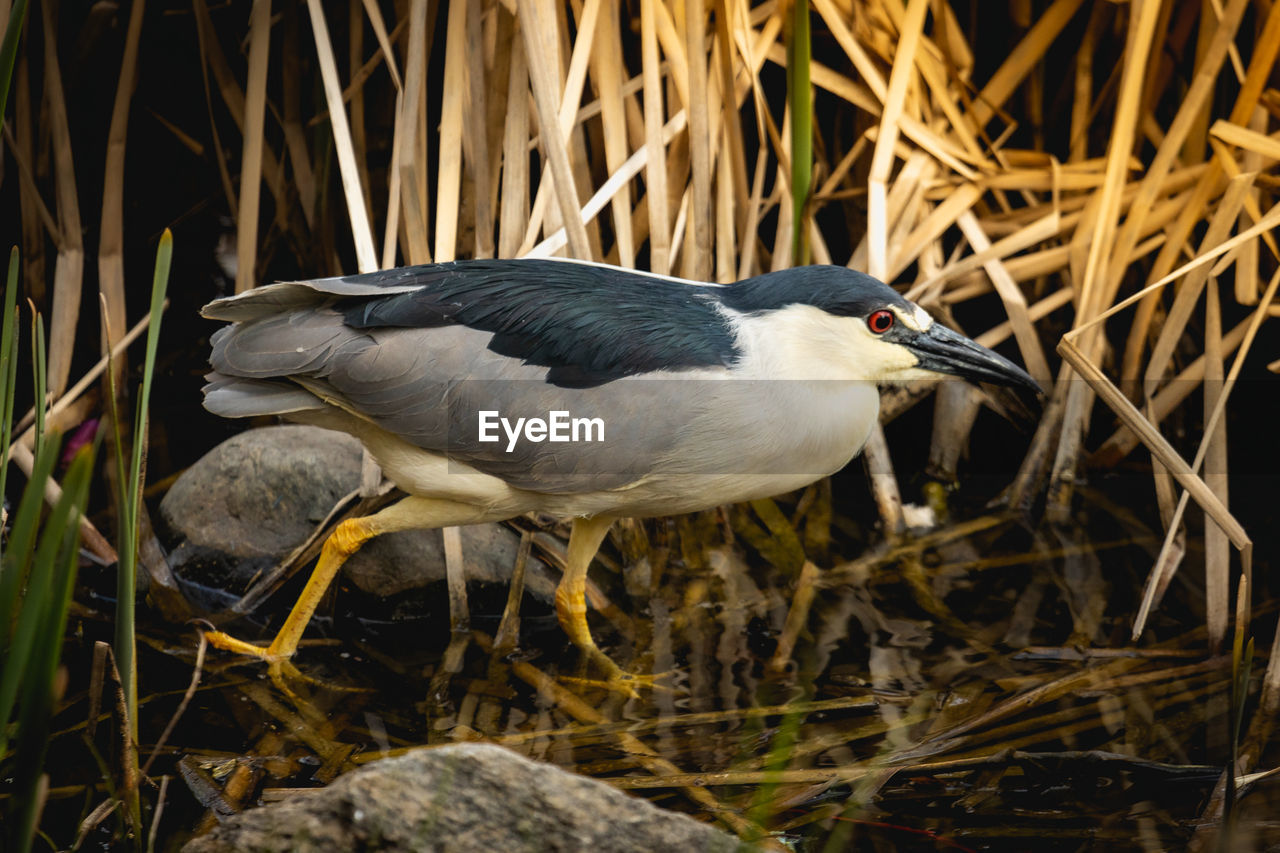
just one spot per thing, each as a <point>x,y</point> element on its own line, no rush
<point>944,351</point>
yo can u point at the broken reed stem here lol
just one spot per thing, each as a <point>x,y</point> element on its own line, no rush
<point>1155,442</point>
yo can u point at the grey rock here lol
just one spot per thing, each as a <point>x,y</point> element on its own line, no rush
<point>464,798</point>
<point>262,492</point>
<point>254,498</point>
<point>398,562</point>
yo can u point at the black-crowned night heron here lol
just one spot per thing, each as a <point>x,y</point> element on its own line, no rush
<point>488,389</point>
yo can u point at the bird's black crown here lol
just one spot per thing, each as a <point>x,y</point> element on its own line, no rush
<point>836,290</point>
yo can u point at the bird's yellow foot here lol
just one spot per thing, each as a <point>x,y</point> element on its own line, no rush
<point>279,669</point>
<point>618,679</point>
<point>226,642</point>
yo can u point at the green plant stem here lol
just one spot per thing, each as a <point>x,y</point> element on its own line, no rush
<point>800,99</point>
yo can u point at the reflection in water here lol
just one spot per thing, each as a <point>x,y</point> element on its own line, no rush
<point>968,687</point>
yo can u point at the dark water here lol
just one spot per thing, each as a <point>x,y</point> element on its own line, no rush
<point>972,687</point>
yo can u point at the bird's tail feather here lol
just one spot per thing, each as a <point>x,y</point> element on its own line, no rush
<point>235,397</point>
<point>285,296</point>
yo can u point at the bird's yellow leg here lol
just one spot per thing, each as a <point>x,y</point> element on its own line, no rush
<point>346,539</point>
<point>571,595</point>
<point>571,601</point>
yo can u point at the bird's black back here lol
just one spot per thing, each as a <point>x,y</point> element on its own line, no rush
<point>587,324</point>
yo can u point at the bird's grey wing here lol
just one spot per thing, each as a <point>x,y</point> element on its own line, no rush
<point>429,386</point>
<point>422,350</point>
<point>543,437</point>
<point>588,324</point>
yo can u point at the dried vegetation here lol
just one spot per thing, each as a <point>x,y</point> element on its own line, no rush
<point>1100,195</point>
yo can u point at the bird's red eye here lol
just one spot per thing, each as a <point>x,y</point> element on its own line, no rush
<point>880,321</point>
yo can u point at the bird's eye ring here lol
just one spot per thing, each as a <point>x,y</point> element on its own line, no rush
<point>880,321</point>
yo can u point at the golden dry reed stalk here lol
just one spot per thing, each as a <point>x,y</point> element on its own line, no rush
<point>655,138</point>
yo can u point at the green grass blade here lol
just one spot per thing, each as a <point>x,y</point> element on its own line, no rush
<point>23,565</point>
<point>781,751</point>
<point>8,365</point>
<point>17,558</point>
<point>39,375</point>
<point>56,560</point>
<point>160,283</point>
<point>132,488</point>
<point>9,50</point>
<point>11,580</point>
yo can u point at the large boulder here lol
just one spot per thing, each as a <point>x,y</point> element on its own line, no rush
<point>464,798</point>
